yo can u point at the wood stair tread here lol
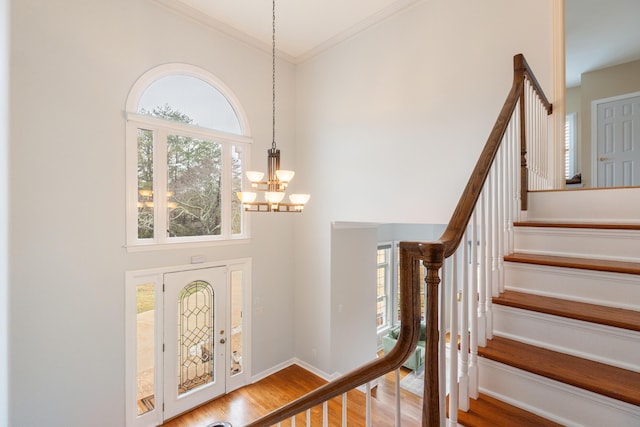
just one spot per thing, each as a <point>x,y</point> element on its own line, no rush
<point>486,411</point>
<point>583,225</point>
<point>603,315</point>
<point>606,380</point>
<point>572,262</point>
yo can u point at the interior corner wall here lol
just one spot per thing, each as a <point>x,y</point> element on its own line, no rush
<point>391,122</point>
<point>602,84</point>
<point>72,65</point>
<point>4,221</point>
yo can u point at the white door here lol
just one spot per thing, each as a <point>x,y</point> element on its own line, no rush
<point>194,337</point>
<point>617,160</point>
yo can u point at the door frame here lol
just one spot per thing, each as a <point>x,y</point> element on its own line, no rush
<point>594,130</point>
<point>155,276</point>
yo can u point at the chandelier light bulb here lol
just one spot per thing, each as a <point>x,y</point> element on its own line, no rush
<point>254,176</point>
<point>274,196</point>
<point>299,199</point>
<point>285,175</point>
<point>246,196</point>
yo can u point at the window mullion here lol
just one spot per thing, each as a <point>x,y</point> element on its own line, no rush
<point>132,183</point>
<point>160,225</point>
<point>226,191</point>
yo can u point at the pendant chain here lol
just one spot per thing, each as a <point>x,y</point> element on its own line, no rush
<point>273,73</point>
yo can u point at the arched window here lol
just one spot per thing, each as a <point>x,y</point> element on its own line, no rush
<point>187,138</point>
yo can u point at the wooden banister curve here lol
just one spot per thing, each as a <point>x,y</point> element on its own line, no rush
<point>432,255</point>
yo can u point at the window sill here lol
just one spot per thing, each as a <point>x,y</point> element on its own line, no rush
<point>150,247</point>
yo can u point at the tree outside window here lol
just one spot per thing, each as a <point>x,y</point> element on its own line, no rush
<point>186,174</point>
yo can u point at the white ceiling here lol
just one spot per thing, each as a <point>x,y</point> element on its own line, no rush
<point>599,33</point>
<point>303,27</point>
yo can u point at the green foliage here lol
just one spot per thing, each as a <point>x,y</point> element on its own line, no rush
<point>194,182</point>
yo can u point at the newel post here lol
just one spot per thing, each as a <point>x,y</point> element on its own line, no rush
<point>431,400</point>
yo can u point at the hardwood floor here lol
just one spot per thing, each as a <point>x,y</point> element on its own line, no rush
<point>248,403</point>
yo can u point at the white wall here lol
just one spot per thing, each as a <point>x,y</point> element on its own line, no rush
<point>391,122</point>
<point>353,295</point>
<point>4,221</point>
<point>73,63</point>
<point>410,232</point>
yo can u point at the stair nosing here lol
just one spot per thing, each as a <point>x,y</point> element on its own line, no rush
<point>600,378</point>
<point>579,225</point>
<point>588,312</point>
<point>593,264</point>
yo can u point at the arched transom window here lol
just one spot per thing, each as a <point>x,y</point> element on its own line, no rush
<point>187,138</point>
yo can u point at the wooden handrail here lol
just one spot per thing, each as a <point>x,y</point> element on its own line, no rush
<point>432,254</point>
<point>460,219</point>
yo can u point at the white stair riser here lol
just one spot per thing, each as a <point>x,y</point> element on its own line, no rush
<point>596,287</point>
<point>559,402</point>
<point>619,245</point>
<point>604,344</point>
<point>620,205</point>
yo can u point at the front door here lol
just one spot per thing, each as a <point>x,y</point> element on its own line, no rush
<point>194,337</point>
<point>617,160</point>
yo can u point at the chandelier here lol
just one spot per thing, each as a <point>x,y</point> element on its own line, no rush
<point>277,179</point>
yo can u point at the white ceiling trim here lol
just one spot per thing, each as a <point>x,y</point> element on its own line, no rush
<point>372,20</point>
<point>207,20</point>
<point>195,14</point>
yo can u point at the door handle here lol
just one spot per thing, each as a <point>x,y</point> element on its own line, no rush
<point>223,340</point>
<point>602,159</point>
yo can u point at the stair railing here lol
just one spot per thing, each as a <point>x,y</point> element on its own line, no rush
<point>471,272</point>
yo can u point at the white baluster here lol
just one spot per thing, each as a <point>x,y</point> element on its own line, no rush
<point>453,342</point>
<point>464,326</point>
<point>442,344</point>
<point>500,220</point>
<point>473,304</point>
<point>513,183</point>
<point>491,252</point>
<point>495,224</point>
<point>308,417</point>
<point>482,266</point>
<point>344,410</point>
<point>398,420</point>
<point>325,414</point>
<point>368,395</point>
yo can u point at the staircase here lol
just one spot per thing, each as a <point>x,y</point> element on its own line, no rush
<point>542,288</point>
<point>566,328</point>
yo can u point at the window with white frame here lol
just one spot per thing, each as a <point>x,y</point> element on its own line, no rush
<point>187,140</point>
<point>396,287</point>
<point>383,287</point>
<point>570,143</point>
